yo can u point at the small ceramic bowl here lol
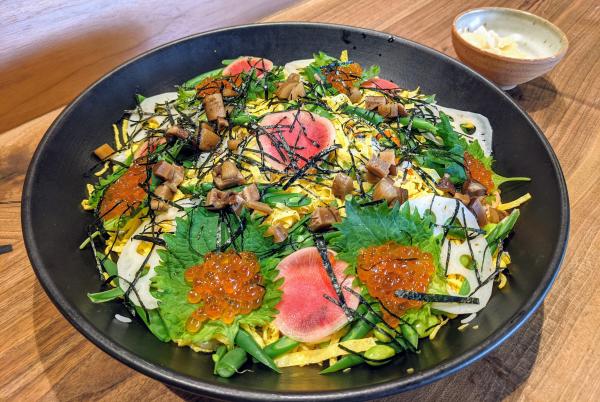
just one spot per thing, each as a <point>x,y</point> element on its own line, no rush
<point>544,43</point>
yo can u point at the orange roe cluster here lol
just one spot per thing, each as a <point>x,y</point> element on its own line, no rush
<point>477,171</point>
<point>225,285</point>
<point>125,194</point>
<point>387,268</point>
<point>343,77</point>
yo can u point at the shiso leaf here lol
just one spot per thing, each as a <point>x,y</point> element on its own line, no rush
<point>196,235</point>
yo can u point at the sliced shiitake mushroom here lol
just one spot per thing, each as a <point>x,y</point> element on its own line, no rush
<point>214,106</point>
<point>208,140</point>
<point>385,190</point>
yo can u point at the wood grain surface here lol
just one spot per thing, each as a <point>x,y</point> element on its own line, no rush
<point>555,356</point>
<point>50,50</point>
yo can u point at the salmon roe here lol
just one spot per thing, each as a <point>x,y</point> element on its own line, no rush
<point>225,285</point>
<point>125,194</point>
<point>477,171</point>
<point>343,78</point>
<point>390,267</point>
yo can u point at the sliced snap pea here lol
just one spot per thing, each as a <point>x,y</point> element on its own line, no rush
<point>344,363</point>
<point>419,124</point>
<point>218,355</point>
<point>281,346</point>
<point>360,327</point>
<point>409,333</point>
<point>244,340</point>
<point>231,362</point>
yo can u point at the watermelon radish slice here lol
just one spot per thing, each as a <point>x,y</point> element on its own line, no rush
<point>304,314</point>
<point>246,63</point>
<point>380,83</point>
<point>294,136</point>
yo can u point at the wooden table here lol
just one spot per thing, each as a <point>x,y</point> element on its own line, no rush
<point>555,356</point>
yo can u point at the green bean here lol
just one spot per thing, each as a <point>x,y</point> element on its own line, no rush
<point>379,354</point>
<point>364,114</point>
<point>218,355</point>
<point>467,261</point>
<point>344,363</point>
<point>107,295</point>
<point>409,333</point>
<point>230,363</point>
<point>198,79</point>
<point>281,346</point>
<point>245,341</point>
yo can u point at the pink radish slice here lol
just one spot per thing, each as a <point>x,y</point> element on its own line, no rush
<point>246,63</point>
<point>304,314</point>
<point>305,134</point>
<point>379,83</point>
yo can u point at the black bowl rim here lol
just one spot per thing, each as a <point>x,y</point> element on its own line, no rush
<point>223,391</point>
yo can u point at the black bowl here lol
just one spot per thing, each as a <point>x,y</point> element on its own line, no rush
<point>53,222</point>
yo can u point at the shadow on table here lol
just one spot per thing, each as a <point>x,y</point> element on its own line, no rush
<point>491,379</point>
<point>534,95</point>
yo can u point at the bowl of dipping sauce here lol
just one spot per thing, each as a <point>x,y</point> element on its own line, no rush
<point>507,46</point>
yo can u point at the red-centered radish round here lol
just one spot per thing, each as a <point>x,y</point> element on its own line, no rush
<point>294,136</point>
<point>305,314</point>
<point>246,63</point>
<point>380,83</point>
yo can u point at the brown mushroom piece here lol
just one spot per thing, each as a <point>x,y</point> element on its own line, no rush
<point>176,179</point>
<point>446,185</point>
<point>163,170</point>
<point>214,106</point>
<point>162,193</point>
<point>342,185</point>
<point>208,139</point>
<point>237,202</point>
<point>392,110</point>
<point>278,232</point>
<point>222,123</point>
<point>323,218</point>
<point>177,132</point>
<point>473,188</point>
<point>373,102</point>
<point>250,193</point>
<point>478,209</point>
<point>385,190</point>
<point>465,199</point>
<point>378,167</point>
<point>290,89</point>
<point>355,95</point>
<point>217,199</point>
<point>389,156</point>
<point>228,91</point>
<point>227,175</point>
<point>104,151</point>
<point>233,144</point>
<point>259,207</point>
<point>495,215</point>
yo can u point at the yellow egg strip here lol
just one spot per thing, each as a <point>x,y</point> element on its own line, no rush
<point>304,358</point>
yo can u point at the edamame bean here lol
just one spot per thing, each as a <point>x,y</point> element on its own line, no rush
<point>379,354</point>
<point>383,333</point>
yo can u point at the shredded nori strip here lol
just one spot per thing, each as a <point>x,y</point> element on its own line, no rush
<point>427,297</point>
